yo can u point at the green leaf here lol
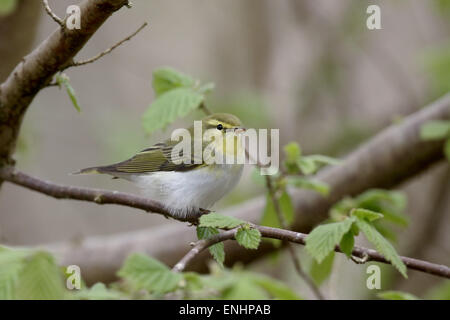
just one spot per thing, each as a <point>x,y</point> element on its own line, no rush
<point>321,271</point>
<point>447,149</point>
<point>7,7</point>
<point>275,288</point>
<point>300,182</point>
<point>307,165</point>
<point>170,106</point>
<point>217,250</point>
<point>293,152</point>
<point>366,214</point>
<point>98,292</point>
<point>217,220</point>
<point>40,279</point>
<point>166,79</point>
<point>324,160</point>
<point>396,295</point>
<point>381,244</point>
<point>144,272</point>
<point>63,80</point>
<point>435,130</point>
<point>323,239</point>
<point>248,237</point>
<point>347,243</point>
<point>11,264</point>
<point>286,207</point>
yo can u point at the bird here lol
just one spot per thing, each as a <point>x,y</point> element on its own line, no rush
<point>180,181</point>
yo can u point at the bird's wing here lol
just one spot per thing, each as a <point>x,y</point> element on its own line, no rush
<point>156,158</point>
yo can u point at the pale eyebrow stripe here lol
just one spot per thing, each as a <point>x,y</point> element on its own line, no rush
<point>214,122</point>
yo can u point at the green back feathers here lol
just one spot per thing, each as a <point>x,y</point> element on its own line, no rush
<point>159,157</point>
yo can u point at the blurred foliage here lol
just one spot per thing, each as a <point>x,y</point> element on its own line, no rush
<point>437,130</point>
<point>33,274</point>
<point>443,7</point>
<point>437,65</point>
<point>396,295</point>
<point>7,7</point>
<point>440,291</point>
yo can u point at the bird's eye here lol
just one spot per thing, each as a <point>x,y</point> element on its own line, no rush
<point>219,126</point>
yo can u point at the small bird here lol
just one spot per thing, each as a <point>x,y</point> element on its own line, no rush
<point>190,186</point>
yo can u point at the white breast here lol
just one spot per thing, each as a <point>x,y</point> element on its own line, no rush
<point>185,192</point>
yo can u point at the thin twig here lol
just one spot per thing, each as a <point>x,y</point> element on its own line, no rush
<point>364,254</point>
<point>101,54</point>
<point>291,249</point>
<point>201,245</point>
<point>49,11</point>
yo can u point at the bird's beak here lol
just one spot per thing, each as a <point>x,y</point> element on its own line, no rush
<point>239,130</point>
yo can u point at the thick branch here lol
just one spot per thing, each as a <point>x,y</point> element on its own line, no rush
<point>37,69</point>
<point>300,238</point>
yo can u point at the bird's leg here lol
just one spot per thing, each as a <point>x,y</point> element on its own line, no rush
<point>204,211</point>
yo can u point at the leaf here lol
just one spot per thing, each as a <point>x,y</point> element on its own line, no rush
<point>292,151</point>
<point>324,160</point>
<point>300,182</point>
<point>447,149</point>
<point>245,289</point>
<point>144,272</point>
<point>435,130</point>
<point>7,7</point>
<point>321,271</point>
<point>269,218</point>
<point>170,106</point>
<point>366,214</point>
<point>382,245</point>
<point>217,220</point>
<point>396,295</point>
<point>206,88</point>
<point>347,243</point>
<point>275,288</point>
<point>63,79</point>
<point>217,250</point>
<point>286,207</point>
<point>324,238</point>
<point>248,237</point>
<point>98,292</point>
<point>307,165</point>
<point>40,279</point>
<point>11,264</point>
<point>166,79</point>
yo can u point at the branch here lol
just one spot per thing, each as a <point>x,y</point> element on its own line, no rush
<point>88,194</point>
<point>52,15</point>
<point>364,254</point>
<point>101,54</point>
